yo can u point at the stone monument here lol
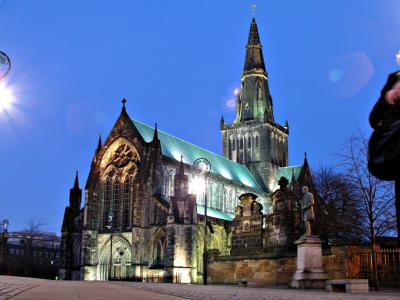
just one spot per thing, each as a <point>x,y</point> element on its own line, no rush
<point>309,273</point>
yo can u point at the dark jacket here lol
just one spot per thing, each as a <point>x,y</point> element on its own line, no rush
<point>381,107</point>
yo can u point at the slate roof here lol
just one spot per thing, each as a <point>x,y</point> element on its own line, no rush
<point>174,147</point>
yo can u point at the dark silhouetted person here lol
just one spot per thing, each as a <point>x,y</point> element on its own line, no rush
<point>384,145</point>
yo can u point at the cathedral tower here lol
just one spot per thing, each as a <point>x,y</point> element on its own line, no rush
<point>254,139</point>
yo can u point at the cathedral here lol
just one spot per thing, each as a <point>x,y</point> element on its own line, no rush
<point>144,203</point>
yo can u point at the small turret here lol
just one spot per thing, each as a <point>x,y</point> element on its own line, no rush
<point>222,122</point>
<point>99,144</point>
<point>155,136</point>
<point>75,195</point>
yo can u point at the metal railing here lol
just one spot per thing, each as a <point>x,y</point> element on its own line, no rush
<point>388,266</point>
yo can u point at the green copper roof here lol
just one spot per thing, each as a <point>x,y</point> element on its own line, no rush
<point>288,173</point>
<point>174,147</point>
<point>215,213</point>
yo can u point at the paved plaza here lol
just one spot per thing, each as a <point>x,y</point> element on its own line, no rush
<point>30,288</point>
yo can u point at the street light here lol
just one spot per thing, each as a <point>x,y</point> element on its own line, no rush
<point>203,167</point>
<point>5,224</point>
<point>5,65</point>
<point>109,227</point>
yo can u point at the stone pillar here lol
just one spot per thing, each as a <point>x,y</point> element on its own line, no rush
<point>309,273</point>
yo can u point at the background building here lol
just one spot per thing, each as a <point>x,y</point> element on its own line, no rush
<point>32,255</point>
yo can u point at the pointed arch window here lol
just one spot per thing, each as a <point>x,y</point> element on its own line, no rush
<point>230,149</point>
<point>126,204</point>
<point>247,112</point>
<point>116,204</point>
<point>249,156</point>
<point>259,95</point>
<point>107,201</point>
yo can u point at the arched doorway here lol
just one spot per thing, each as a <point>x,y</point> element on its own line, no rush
<point>115,264</point>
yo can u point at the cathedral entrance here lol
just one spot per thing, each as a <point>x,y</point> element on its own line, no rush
<point>115,264</point>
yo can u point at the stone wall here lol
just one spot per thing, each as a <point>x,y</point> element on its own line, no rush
<point>267,269</point>
<point>275,269</point>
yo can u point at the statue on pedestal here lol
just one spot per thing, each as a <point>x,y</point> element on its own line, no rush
<point>307,206</point>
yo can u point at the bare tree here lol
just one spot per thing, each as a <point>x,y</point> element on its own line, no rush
<point>338,215</point>
<point>34,227</point>
<point>375,197</point>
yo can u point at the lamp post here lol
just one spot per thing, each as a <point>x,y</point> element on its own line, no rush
<point>3,249</point>
<point>203,168</point>
<point>110,227</point>
<point>5,65</point>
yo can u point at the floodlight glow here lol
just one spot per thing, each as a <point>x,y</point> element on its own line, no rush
<point>197,185</point>
<point>236,91</point>
<point>225,173</point>
<point>176,155</point>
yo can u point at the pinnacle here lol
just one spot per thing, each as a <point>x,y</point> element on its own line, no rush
<point>76,183</point>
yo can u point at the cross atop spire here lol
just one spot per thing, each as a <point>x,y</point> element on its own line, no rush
<point>253,8</point>
<point>123,104</point>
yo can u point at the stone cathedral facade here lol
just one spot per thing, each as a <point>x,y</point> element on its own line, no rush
<point>145,177</point>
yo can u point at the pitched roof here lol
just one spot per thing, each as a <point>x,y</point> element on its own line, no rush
<point>288,172</point>
<point>174,147</point>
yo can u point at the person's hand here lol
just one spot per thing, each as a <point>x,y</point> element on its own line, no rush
<point>393,95</point>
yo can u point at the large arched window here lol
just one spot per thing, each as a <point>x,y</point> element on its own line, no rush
<point>106,203</point>
<point>127,204</point>
<point>120,165</point>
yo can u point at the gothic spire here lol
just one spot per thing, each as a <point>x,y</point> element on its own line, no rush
<point>254,60</point>
<point>254,102</point>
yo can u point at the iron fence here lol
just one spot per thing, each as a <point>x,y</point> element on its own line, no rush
<point>388,266</point>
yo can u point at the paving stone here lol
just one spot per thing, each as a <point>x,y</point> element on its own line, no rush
<point>231,292</point>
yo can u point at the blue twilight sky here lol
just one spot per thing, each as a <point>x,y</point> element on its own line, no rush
<point>177,63</point>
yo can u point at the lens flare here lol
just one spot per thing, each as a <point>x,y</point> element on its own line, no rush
<point>6,98</point>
